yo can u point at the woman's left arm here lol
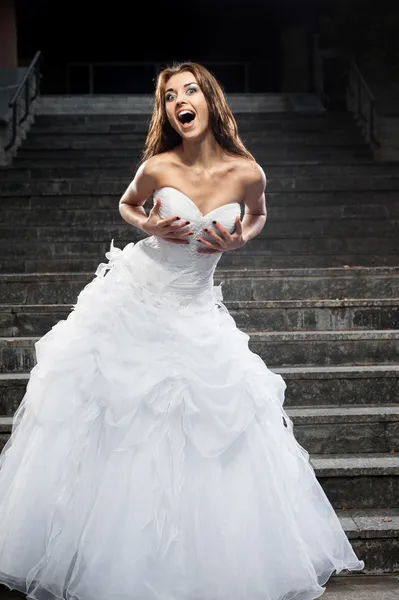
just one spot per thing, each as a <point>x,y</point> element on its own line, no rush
<point>255,214</point>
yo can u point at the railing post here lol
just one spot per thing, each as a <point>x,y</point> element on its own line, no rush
<point>16,101</point>
<point>26,96</point>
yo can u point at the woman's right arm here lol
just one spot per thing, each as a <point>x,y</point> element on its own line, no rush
<point>131,203</point>
<point>132,211</point>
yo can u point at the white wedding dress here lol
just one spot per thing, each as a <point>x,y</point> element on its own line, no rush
<point>151,457</point>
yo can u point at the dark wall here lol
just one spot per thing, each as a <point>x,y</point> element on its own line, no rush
<point>219,30</point>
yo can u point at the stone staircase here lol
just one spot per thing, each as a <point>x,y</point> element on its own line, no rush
<point>317,290</point>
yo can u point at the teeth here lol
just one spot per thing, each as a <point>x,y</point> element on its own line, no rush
<point>183,112</point>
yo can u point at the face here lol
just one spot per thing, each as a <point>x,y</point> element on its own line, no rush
<point>186,106</point>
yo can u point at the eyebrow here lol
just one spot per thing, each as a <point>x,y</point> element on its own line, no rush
<point>185,85</point>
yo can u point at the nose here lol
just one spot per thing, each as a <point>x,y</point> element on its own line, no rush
<point>179,98</point>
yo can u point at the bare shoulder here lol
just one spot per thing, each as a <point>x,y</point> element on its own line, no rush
<point>252,174</point>
<point>146,179</point>
<point>154,165</point>
<point>253,181</point>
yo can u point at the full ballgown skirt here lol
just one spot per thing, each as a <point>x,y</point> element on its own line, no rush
<point>151,457</point>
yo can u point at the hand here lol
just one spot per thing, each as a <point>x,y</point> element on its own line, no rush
<point>167,229</point>
<point>224,241</point>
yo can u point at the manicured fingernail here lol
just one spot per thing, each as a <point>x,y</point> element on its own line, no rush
<point>214,222</point>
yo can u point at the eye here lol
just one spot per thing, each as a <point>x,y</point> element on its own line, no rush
<point>191,89</point>
<point>169,96</point>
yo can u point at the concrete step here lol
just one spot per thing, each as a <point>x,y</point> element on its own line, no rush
<point>79,264</point>
<point>308,387</point>
<point>297,315</point>
<point>332,430</point>
<point>374,536</point>
<point>247,285</point>
<point>302,259</point>
<point>117,186</point>
<point>312,121</point>
<point>265,155</point>
<point>251,315</point>
<point>299,348</point>
<point>330,386</point>
<point>110,169</point>
<point>51,265</point>
<point>295,121</point>
<point>251,138</point>
<point>311,348</point>
<point>281,205</point>
<point>361,587</point>
<point>143,103</point>
<point>59,126</point>
<point>279,219</point>
<point>51,166</point>
<point>79,244</point>
<point>353,481</point>
<point>60,229</point>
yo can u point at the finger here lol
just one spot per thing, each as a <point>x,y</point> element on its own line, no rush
<point>225,234</point>
<point>213,235</point>
<point>170,221</point>
<point>156,205</point>
<point>238,228</point>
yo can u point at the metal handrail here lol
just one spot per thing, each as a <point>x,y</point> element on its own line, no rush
<point>356,93</point>
<point>24,87</point>
<point>156,65</point>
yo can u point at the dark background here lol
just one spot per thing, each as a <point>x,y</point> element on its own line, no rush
<point>207,31</point>
<point>118,31</point>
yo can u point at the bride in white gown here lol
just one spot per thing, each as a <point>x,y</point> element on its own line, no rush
<point>151,457</point>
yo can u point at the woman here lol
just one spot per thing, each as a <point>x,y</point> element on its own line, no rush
<point>151,457</point>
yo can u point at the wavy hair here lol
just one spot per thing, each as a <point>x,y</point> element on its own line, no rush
<point>161,135</point>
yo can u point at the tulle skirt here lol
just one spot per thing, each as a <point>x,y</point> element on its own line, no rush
<point>152,459</point>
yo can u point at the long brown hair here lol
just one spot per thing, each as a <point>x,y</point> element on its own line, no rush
<point>161,135</point>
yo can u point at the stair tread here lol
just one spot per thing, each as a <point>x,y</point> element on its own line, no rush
<point>250,304</point>
<point>296,372</point>
<point>370,522</point>
<point>355,413</point>
<point>360,464</point>
<point>290,336</point>
<point>349,271</point>
<point>337,371</point>
<point>373,334</point>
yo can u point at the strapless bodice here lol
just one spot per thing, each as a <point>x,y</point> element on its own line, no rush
<point>177,270</point>
<point>174,202</point>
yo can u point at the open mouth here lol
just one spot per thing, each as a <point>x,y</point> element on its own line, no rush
<point>186,116</point>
